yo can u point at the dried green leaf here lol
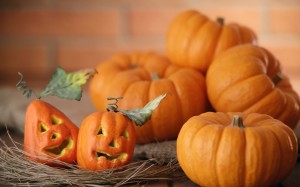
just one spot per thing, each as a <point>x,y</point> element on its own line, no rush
<point>141,115</point>
<point>67,85</point>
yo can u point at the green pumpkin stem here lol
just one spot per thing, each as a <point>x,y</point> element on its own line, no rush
<point>113,106</point>
<point>237,121</point>
<point>133,66</point>
<point>221,21</point>
<point>140,115</point>
<point>154,76</point>
<point>277,78</point>
<point>22,85</point>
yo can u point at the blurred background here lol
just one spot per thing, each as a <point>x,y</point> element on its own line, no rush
<point>36,36</point>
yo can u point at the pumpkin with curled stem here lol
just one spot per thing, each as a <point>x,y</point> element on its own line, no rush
<point>249,79</point>
<point>107,139</point>
<point>236,149</point>
<point>139,78</point>
<point>193,40</point>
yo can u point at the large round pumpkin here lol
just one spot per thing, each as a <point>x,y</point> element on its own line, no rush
<point>248,78</point>
<point>193,40</point>
<point>235,149</point>
<point>141,77</point>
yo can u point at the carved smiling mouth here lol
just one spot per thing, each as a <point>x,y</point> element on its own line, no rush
<point>120,157</point>
<point>58,150</point>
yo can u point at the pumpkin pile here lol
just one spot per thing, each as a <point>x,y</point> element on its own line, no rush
<point>229,105</point>
<point>218,67</point>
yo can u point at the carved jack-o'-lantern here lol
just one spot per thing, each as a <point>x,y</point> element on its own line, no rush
<point>105,140</point>
<point>49,133</point>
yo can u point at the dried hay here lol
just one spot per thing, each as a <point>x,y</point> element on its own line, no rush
<point>16,169</point>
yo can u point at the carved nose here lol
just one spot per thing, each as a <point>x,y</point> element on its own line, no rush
<point>54,136</point>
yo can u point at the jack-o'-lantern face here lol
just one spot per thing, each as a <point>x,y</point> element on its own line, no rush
<point>49,133</point>
<point>105,140</point>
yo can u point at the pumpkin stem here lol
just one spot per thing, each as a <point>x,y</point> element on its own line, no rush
<point>132,66</point>
<point>237,121</point>
<point>141,115</point>
<point>221,21</point>
<point>22,85</point>
<point>277,78</point>
<point>113,106</point>
<point>154,76</point>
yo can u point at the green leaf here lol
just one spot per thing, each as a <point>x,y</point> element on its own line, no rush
<point>67,85</point>
<point>141,115</point>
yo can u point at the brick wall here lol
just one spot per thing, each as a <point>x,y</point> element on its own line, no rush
<point>36,36</point>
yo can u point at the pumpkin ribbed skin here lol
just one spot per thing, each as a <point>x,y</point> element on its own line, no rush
<point>214,153</point>
<point>244,79</point>
<point>193,40</point>
<point>141,77</point>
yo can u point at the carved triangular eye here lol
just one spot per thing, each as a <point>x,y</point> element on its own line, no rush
<point>43,128</point>
<point>113,143</point>
<point>54,136</point>
<point>125,134</point>
<point>100,131</point>
<point>55,120</point>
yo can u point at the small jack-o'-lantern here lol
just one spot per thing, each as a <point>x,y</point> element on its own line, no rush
<point>106,139</point>
<point>49,134</point>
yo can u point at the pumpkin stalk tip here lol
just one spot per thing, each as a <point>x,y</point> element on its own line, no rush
<point>237,121</point>
<point>277,78</point>
<point>22,85</point>
<point>155,76</point>
<point>221,21</point>
<point>113,106</point>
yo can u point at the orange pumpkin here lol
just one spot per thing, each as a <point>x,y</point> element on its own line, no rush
<point>193,40</point>
<point>249,79</point>
<point>105,140</point>
<point>49,134</point>
<point>235,149</point>
<point>139,78</point>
